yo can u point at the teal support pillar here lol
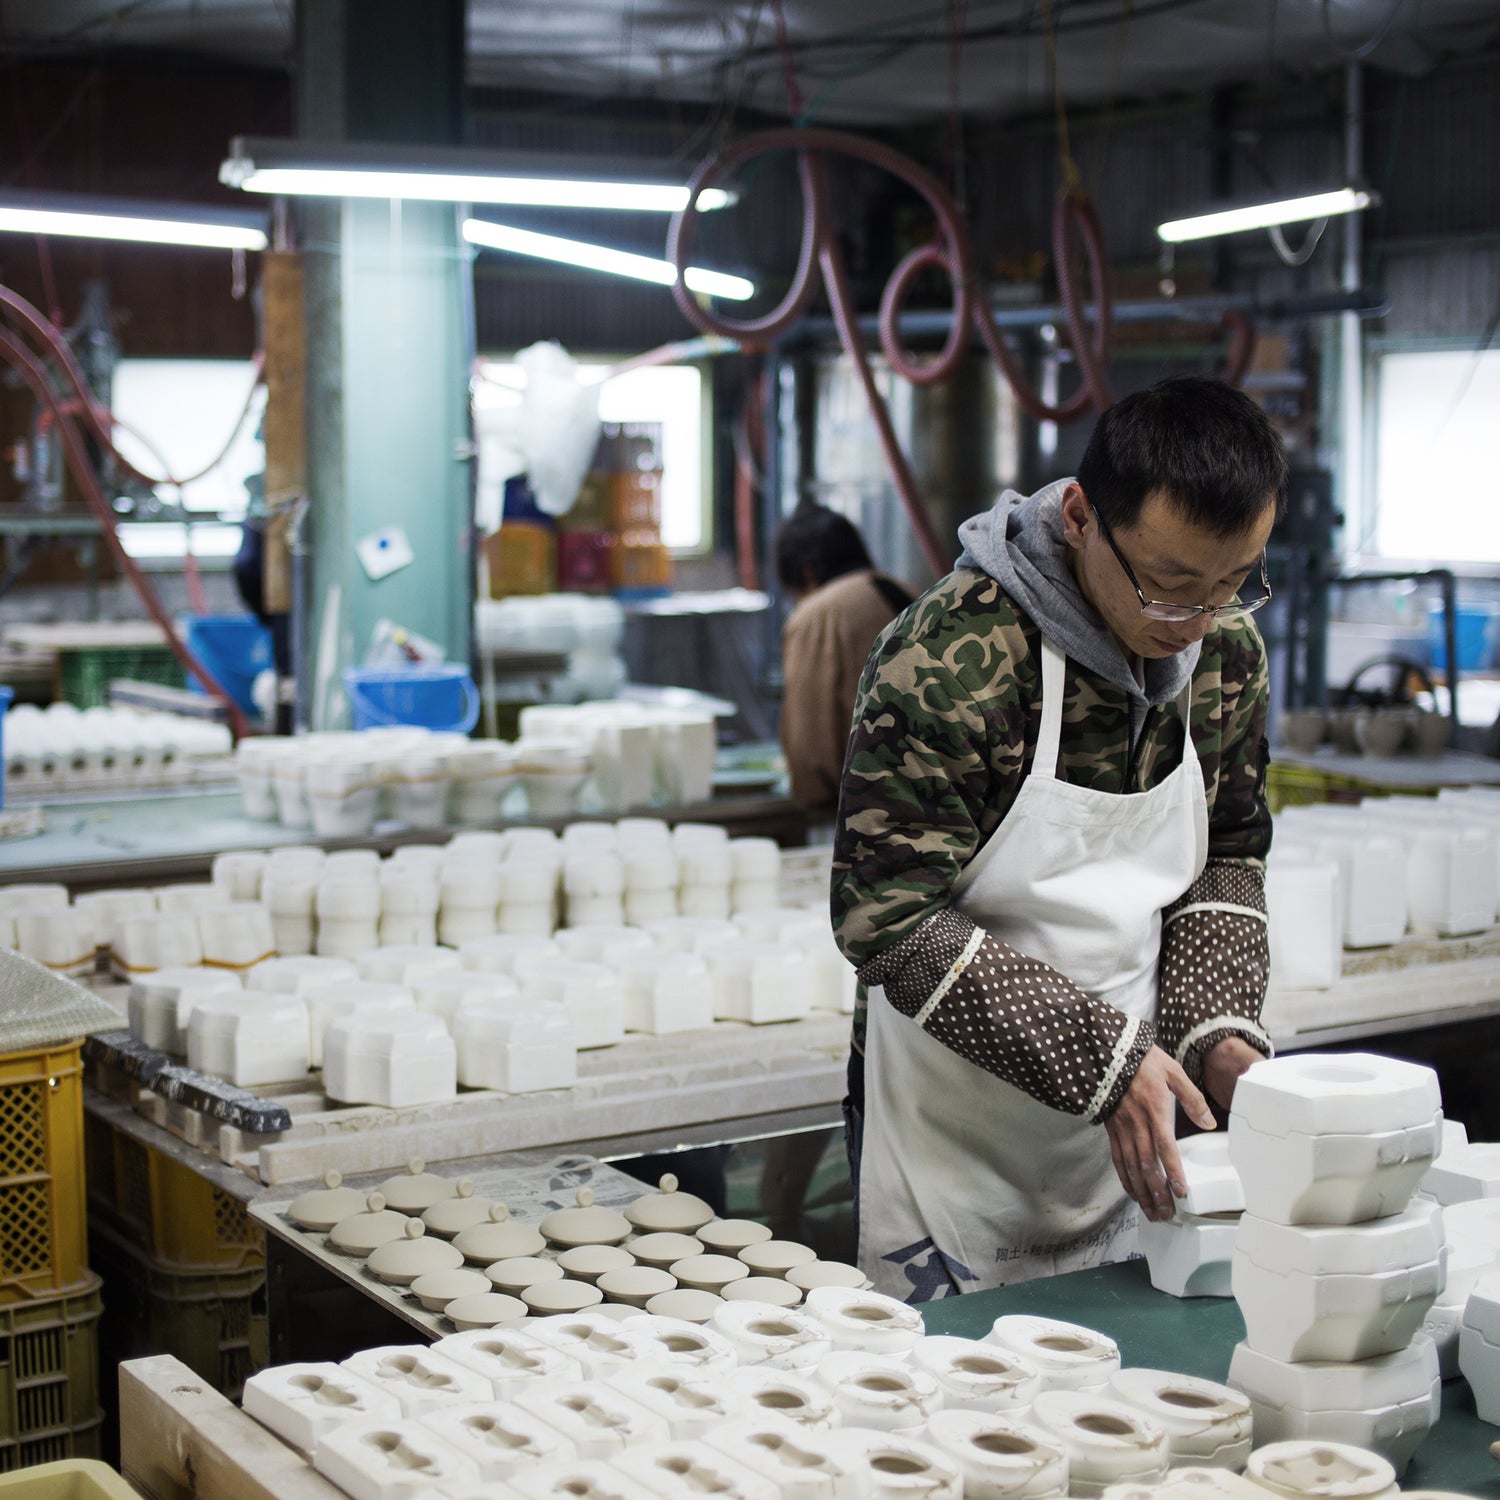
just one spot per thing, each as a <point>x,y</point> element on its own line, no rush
<point>389,348</point>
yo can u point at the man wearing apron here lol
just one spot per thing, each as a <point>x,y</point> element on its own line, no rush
<point>1053,894</point>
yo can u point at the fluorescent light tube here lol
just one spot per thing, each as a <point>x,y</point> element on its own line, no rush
<point>1267,215</point>
<point>602,258</point>
<point>149,224</point>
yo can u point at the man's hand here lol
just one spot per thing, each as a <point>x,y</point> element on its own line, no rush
<point>1143,1136</point>
<point>1224,1064</point>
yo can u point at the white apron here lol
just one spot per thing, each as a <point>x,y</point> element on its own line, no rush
<point>965,1181</point>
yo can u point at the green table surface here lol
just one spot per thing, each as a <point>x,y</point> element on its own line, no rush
<point>1196,1336</point>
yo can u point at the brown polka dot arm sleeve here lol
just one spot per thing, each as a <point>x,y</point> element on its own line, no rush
<point>1011,1015</point>
<point>1214,963</point>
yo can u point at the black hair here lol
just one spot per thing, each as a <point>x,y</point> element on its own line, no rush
<point>816,540</point>
<point>1206,447</point>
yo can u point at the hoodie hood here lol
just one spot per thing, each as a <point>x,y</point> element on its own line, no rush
<point>1019,543</point>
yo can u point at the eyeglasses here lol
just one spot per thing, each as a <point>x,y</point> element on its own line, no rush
<point>1160,609</point>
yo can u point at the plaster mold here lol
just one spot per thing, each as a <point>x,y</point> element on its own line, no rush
<point>237,936</point>
<point>1300,1470</point>
<point>791,1457</point>
<point>1107,1442</point>
<point>793,1397</point>
<point>393,1460</point>
<point>391,1060</point>
<point>403,965</point>
<point>516,1047</point>
<point>1067,1356</point>
<point>691,1405</point>
<point>1464,1172</point>
<point>777,1338</point>
<point>330,1002</point>
<point>591,993</point>
<point>305,1402</point>
<point>1304,917</point>
<point>977,1377</point>
<point>299,976</point>
<point>879,1391</point>
<point>583,1480</point>
<point>249,1040</point>
<point>166,941</point>
<point>1001,1456</point>
<point>62,938</point>
<point>687,1470</point>
<point>757,982</point>
<point>1189,1256</point>
<point>666,992</point>
<point>421,1379</point>
<point>894,1466</point>
<point>1479,1346</point>
<point>510,1359</point>
<point>500,1441</point>
<point>865,1321</point>
<point>161,1004</point>
<point>1207,1425</point>
<point>599,1421</point>
<point>448,993</point>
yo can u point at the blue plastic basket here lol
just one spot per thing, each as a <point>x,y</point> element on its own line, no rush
<point>6,695</point>
<point>236,649</point>
<point>1475,628</point>
<point>441,698</point>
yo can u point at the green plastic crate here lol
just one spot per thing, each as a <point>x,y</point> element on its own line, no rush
<point>49,1377</point>
<point>84,676</point>
<point>66,1443</point>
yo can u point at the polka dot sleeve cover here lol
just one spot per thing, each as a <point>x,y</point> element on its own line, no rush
<point>1011,1015</point>
<point>1214,963</point>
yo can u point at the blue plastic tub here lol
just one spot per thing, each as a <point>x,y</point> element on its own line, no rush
<point>236,649</point>
<point>441,698</point>
<point>6,695</point>
<point>1476,627</point>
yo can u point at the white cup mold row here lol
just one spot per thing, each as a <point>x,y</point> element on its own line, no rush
<point>777,1338</point>
<point>1479,1346</point>
<point>1337,1292</point>
<point>879,1391</point>
<point>598,1420</point>
<point>161,1003</point>
<point>510,1359</point>
<point>1067,1356</point>
<point>796,1461</point>
<point>691,1405</point>
<point>591,993</point>
<point>247,1039</point>
<point>1107,1442</point>
<point>597,1343</point>
<point>977,1377</point>
<point>516,1047</point>
<point>688,1470</point>
<point>501,1441</point>
<point>1207,1425</point>
<point>298,976</point>
<point>1002,1457</point>
<point>896,1466</point>
<point>584,1479</point>
<point>865,1321</point>
<point>787,1394</point>
<point>1333,1139</point>
<point>327,1003</point>
<point>699,1349</point>
<point>419,1377</point>
<point>758,982</point>
<point>1386,1404</point>
<point>1464,1172</point>
<point>304,1402</point>
<point>393,1460</point>
<point>1301,1470</point>
<point>1190,1256</point>
<point>391,1060</point>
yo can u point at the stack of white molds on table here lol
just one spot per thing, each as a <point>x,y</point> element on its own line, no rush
<point>1465,1182</point>
<point>1189,1254</point>
<point>1304,916</point>
<point>1335,1266</point>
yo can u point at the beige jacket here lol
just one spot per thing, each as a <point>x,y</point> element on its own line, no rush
<point>824,646</point>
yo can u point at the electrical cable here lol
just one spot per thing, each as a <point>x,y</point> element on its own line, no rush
<point>1304,252</point>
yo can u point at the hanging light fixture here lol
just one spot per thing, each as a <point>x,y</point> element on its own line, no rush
<point>1346,200</point>
<point>130,219</point>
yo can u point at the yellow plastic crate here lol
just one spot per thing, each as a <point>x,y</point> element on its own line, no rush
<point>43,1228</point>
<point>73,1479</point>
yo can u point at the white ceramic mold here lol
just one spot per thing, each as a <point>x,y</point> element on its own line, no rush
<point>793,1397</point>
<point>61,938</point>
<point>501,952</point>
<point>879,1391</point>
<point>591,993</point>
<point>1372,872</point>
<point>327,1003</point>
<point>687,1470</point>
<point>1002,1457</point>
<point>1213,1185</point>
<point>161,1003</point>
<point>516,1047</point>
<point>791,1457</point>
<point>896,1466</point>
<point>683,1346</point>
<point>665,992</point>
<point>303,1403</point>
<point>501,1441</point>
<point>1188,1256</point>
<point>166,941</point>
<point>391,1060</point>
<point>865,1321</point>
<point>1386,1404</point>
<point>419,1378</point>
<point>447,993</point>
<point>1304,918</point>
<point>777,1338</point>
<point>601,942</point>
<point>392,1460</point>
<point>1067,1356</point>
<point>405,964</point>
<point>691,1405</point>
<point>1190,1483</point>
<point>758,982</point>
<point>977,1377</point>
<point>1301,1470</point>
<point>1479,1346</point>
<point>1464,1172</point>
<point>583,1480</point>
<point>1207,1425</point>
<point>1338,1292</point>
<point>249,1039</point>
<point>1107,1442</point>
<point>298,976</point>
<point>597,1343</point>
<point>1333,1139</point>
<point>699,935</point>
<point>510,1359</point>
<point>598,1420</point>
<point>236,936</point>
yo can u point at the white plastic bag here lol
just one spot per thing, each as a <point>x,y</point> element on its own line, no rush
<point>559,426</point>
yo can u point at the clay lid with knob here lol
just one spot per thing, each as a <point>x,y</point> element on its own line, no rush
<point>416,1189</point>
<point>451,1216</point>
<point>321,1208</point>
<point>499,1237</point>
<point>585,1225</point>
<point>360,1233</point>
<point>401,1261</point>
<point>669,1209</point>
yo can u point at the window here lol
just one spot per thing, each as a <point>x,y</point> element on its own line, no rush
<point>669,394</point>
<point>175,416</point>
<point>1436,488</point>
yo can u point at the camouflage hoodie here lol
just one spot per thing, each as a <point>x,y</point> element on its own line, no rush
<point>944,731</point>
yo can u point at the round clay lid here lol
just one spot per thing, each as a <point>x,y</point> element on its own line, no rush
<point>776,1257</point>
<point>669,1209</point>
<point>436,1289</point>
<point>498,1238</point>
<point>690,1305</point>
<point>770,1289</point>
<point>522,1271</point>
<point>484,1310</point>
<point>662,1249</point>
<point>590,1262</point>
<point>451,1216</point>
<point>730,1236</point>
<point>708,1272</point>
<point>403,1260</point>
<point>826,1273</point>
<point>586,1224</point>
<point>636,1284</point>
<point>361,1233</point>
<point>416,1188</point>
<point>322,1208</point>
<point>561,1297</point>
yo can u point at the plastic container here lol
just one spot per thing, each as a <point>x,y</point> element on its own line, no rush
<point>441,698</point>
<point>49,1370</point>
<point>1475,628</point>
<point>235,649</point>
<point>67,1479</point>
